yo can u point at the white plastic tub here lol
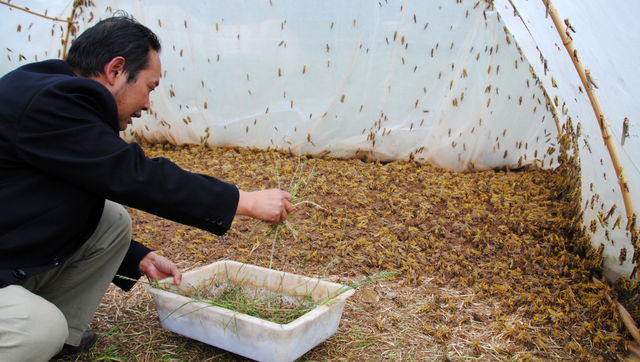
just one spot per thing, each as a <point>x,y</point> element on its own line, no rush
<point>245,335</point>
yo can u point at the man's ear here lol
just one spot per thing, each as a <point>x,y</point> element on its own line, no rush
<point>114,69</point>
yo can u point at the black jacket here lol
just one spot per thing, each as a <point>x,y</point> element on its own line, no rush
<point>61,156</point>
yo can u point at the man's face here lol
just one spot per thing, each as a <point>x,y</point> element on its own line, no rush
<point>132,98</point>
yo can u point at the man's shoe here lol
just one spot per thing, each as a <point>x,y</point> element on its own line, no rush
<point>89,338</point>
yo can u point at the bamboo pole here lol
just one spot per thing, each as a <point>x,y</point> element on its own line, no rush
<point>71,28</point>
<point>626,318</point>
<point>587,82</point>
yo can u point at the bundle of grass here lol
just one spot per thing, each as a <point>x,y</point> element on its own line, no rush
<point>280,305</point>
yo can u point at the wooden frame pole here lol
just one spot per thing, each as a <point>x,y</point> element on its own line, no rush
<point>587,83</point>
<point>71,28</point>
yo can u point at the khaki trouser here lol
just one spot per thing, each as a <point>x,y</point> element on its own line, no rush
<point>55,307</point>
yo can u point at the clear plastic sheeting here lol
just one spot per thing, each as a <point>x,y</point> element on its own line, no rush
<point>447,82</point>
<point>441,81</point>
<point>605,37</point>
<point>26,37</point>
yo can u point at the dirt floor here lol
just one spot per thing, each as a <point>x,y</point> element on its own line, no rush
<point>488,268</point>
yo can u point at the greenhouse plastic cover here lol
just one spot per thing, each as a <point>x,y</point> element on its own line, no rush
<point>458,84</point>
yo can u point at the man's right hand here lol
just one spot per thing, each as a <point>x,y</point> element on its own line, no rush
<point>272,206</point>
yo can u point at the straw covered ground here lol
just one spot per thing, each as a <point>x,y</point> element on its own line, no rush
<point>491,264</point>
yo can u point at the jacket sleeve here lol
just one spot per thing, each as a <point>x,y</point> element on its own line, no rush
<point>72,133</point>
<point>129,266</point>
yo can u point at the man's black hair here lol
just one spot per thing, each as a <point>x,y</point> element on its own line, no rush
<point>119,35</point>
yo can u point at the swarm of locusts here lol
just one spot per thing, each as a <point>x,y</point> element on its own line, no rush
<point>492,265</point>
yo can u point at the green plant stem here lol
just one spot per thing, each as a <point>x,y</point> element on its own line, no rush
<point>273,248</point>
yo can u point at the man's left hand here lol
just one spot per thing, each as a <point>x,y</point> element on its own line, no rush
<point>157,267</point>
